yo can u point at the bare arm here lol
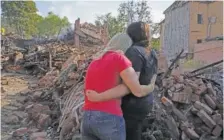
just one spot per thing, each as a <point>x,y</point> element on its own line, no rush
<point>131,79</point>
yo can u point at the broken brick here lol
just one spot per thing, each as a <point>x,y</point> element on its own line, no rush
<point>209,101</point>
<point>206,118</point>
<point>210,89</point>
<point>217,131</point>
<point>166,101</point>
<point>200,90</point>
<point>191,133</point>
<point>179,87</point>
<point>195,97</point>
<point>198,105</point>
<point>20,132</point>
<point>217,118</point>
<point>181,97</point>
<point>179,114</point>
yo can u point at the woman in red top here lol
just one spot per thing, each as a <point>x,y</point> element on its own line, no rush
<point>104,120</point>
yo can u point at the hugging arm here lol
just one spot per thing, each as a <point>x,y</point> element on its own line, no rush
<point>130,82</point>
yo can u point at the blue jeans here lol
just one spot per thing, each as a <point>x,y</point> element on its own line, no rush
<point>98,125</point>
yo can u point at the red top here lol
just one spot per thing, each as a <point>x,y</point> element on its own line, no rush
<point>103,74</point>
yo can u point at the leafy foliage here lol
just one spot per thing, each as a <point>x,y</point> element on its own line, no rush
<point>51,25</point>
<point>129,11</point>
<point>21,17</point>
<point>132,11</point>
<point>155,42</point>
<point>113,24</point>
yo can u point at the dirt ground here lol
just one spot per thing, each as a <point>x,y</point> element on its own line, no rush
<point>12,102</point>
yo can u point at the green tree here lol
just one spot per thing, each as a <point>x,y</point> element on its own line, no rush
<point>51,25</point>
<point>21,16</point>
<point>128,12</point>
<point>155,43</point>
<point>132,11</point>
<point>155,28</point>
<point>113,23</point>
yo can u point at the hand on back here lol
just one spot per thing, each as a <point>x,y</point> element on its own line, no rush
<point>93,96</point>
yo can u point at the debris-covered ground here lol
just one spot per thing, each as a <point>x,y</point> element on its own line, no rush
<point>46,104</point>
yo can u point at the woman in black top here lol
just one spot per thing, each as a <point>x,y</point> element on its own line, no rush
<point>144,62</point>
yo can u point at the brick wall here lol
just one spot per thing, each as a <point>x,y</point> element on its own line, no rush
<point>209,52</point>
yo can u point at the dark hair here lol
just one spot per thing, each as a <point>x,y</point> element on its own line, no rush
<point>137,32</point>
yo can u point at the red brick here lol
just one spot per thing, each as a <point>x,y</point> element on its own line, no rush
<point>209,101</point>
<point>217,131</point>
<point>198,105</point>
<point>195,97</point>
<point>20,132</point>
<point>206,119</point>
<point>166,101</point>
<point>36,135</point>
<point>191,133</point>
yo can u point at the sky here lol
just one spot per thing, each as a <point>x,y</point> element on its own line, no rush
<point>88,10</point>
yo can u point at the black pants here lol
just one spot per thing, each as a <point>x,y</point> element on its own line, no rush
<point>133,128</point>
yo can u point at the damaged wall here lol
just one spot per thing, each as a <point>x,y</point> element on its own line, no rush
<point>87,34</point>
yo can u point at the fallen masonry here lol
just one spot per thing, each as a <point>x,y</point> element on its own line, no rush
<point>185,108</point>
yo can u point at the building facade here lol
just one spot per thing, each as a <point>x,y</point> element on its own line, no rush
<point>188,23</point>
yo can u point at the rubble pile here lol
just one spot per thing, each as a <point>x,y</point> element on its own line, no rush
<point>193,108</point>
<point>186,107</point>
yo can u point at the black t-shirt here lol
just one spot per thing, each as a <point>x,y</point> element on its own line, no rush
<point>147,66</point>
